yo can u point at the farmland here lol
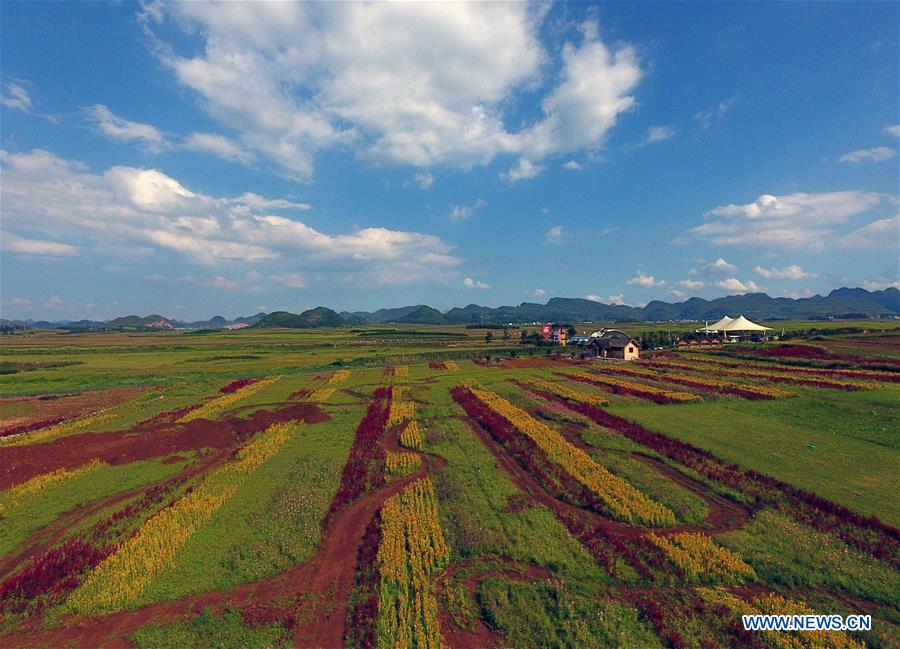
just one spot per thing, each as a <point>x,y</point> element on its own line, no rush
<point>421,487</point>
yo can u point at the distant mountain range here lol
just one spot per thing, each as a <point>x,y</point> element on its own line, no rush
<point>840,303</point>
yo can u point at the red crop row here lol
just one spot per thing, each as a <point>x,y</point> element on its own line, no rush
<point>362,623</point>
<point>301,394</point>
<point>358,476</point>
<point>437,366</point>
<point>234,386</point>
<point>631,389</point>
<point>827,373</point>
<point>27,428</point>
<point>813,355</point>
<point>868,534</point>
<point>49,578</point>
<point>389,370</point>
<point>46,579</point>
<point>759,374</point>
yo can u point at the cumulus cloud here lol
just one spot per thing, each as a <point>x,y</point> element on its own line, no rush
<point>16,97</point>
<point>790,221</point>
<point>468,282</point>
<point>124,130</point>
<point>643,279</point>
<point>539,292</point>
<point>377,78</point>
<point>734,285</point>
<point>617,299</point>
<point>219,146</point>
<point>465,212</point>
<point>525,169</point>
<point>556,234</point>
<point>572,165</point>
<point>717,267</point>
<point>883,233</point>
<point>423,180</point>
<point>892,129</point>
<point>127,209</point>
<point>691,284</point>
<point>875,154</point>
<point>792,271</point>
<point>659,133</point>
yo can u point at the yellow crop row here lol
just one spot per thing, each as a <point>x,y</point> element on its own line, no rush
<point>338,377</point>
<point>772,604</point>
<point>451,365</point>
<point>13,497</point>
<point>638,388</point>
<point>566,392</point>
<point>63,428</point>
<point>401,463</point>
<point>401,370</point>
<point>411,436</point>
<point>411,552</point>
<point>401,410</point>
<point>622,500</point>
<point>119,580</point>
<point>322,394</point>
<point>219,405</point>
<point>699,555</point>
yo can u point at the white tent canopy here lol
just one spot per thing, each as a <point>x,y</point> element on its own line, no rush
<point>742,324</point>
<point>717,326</point>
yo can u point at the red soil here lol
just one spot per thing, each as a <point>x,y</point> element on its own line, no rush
<point>156,437</point>
<point>53,408</point>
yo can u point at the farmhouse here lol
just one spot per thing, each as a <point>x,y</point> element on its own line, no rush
<point>612,343</point>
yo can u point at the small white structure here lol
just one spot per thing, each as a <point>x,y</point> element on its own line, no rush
<point>741,323</point>
<point>716,327</point>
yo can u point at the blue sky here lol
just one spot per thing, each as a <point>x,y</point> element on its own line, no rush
<point>194,159</point>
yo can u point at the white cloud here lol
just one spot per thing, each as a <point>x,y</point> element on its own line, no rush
<point>21,246</point>
<point>691,284</point>
<point>880,283</point>
<point>219,146</point>
<point>468,282</point>
<point>465,212</point>
<point>643,279</point>
<point>539,292</point>
<point>572,165</point>
<point>125,130</point>
<point>706,118</point>
<point>892,129</point>
<point>617,299</point>
<point>593,298</point>
<point>125,208</point>
<point>659,133</point>
<point>717,267</point>
<point>883,233</point>
<point>791,221</point>
<point>525,169</point>
<point>734,285</point>
<point>875,154</point>
<point>423,180</point>
<point>796,295</point>
<point>16,97</point>
<point>679,294</point>
<point>376,77</point>
<point>556,234</point>
<point>792,271</point>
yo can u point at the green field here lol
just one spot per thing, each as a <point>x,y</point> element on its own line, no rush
<point>265,518</point>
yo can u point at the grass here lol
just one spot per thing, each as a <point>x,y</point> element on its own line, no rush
<point>225,631</point>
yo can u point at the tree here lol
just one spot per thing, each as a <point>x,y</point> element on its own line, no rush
<point>489,336</point>
<point>505,333</point>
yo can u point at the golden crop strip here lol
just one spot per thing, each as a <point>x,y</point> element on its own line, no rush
<point>566,392</point>
<point>451,365</point>
<point>121,578</point>
<point>219,405</point>
<point>699,555</point>
<point>401,370</point>
<point>399,464</point>
<point>622,500</point>
<point>411,436</point>
<point>757,373</point>
<point>401,411</point>
<point>701,381</point>
<point>637,387</point>
<point>63,428</point>
<point>322,394</point>
<point>776,605</point>
<point>15,496</point>
<point>411,552</point>
<point>338,377</point>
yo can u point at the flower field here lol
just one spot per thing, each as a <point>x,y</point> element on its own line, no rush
<point>621,499</point>
<point>396,499</point>
<point>411,552</point>
<point>217,406</point>
<point>629,388</point>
